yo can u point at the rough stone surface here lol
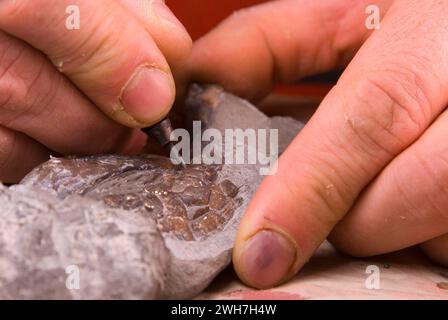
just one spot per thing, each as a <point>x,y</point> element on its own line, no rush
<point>148,229</point>
<point>43,237</point>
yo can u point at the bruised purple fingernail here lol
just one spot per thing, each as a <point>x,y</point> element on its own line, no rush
<point>266,259</point>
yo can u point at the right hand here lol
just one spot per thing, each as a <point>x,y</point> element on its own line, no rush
<point>369,169</point>
<point>82,91</point>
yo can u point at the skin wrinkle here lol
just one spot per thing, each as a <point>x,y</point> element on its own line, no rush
<point>5,101</point>
<point>31,106</point>
<point>317,193</point>
<point>417,89</point>
<point>342,193</point>
<point>340,197</point>
<point>83,64</point>
<point>75,54</point>
<point>373,127</point>
<point>6,69</point>
<point>334,202</point>
<point>336,141</point>
<point>411,113</point>
<point>41,104</point>
<point>364,150</point>
<point>5,44</point>
<point>383,124</point>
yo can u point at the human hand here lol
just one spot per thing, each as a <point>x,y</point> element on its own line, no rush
<point>81,91</point>
<point>369,170</point>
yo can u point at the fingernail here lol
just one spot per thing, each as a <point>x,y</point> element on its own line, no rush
<point>266,259</point>
<point>164,13</point>
<point>148,96</point>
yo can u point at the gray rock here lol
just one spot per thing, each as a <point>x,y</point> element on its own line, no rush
<point>171,228</point>
<point>48,244</point>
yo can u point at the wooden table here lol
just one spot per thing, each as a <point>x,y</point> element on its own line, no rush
<point>405,274</point>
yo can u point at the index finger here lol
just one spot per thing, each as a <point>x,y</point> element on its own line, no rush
<point>279,41</point>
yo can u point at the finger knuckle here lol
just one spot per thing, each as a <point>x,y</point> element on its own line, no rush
<point>12,104</point>
<point>22,95</point>
<point>393,109</point>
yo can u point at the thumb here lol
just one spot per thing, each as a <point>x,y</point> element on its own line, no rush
<point>385,99</point>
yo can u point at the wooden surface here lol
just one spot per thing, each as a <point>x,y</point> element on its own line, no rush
<point>403,275</point>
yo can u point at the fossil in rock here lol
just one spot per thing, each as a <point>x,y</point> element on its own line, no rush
<point>135,227</point>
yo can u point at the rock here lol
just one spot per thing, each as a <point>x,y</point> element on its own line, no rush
<point>187,217</point>
<point>46,241</point>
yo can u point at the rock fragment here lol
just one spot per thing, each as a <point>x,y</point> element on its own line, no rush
<point>76,248</point>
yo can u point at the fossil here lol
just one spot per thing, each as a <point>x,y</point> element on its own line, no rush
<point>134,227</point>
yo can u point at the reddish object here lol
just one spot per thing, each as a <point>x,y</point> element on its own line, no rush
<point>199,16</point>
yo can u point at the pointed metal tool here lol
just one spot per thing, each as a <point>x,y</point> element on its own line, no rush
<point>161,131</point>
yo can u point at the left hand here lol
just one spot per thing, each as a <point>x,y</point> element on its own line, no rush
<point>86,87</point>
